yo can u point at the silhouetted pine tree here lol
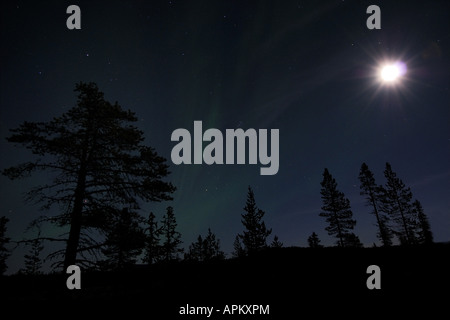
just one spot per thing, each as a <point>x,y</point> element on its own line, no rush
<point>373,195</point>
<point>396,202</point>
<point>124,241</point>
<point>170,247</point>
<point>314,241</point>
<point>99,161</point>
<point>351,240</point>
<point>211,247</point>
<point>4,240</point>
<point>425,236</point>
<point>33,262</point>
<point>195,251</point>
<point>152,241</point>
<point>276,243</point>
<point>205,249</point>
<point>336,209</point>
<point>255,235</point>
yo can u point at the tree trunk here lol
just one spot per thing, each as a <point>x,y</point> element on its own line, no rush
<point>341,241</point>
<point>381,226</point>
<point>75,219</point>
<point>402,215</point>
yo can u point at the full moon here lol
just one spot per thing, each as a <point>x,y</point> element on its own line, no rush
<point>390,73</point>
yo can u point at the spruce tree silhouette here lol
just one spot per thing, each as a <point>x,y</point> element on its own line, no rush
<point>314,241</point>
<point>351,240</point>
<point>425,236</point>
<point>99,161</point>
<point>33,261</point>
<point>255,235</point>
<point>170,247</point>
<point>4,240</point>
<point>276,243</point>
<point>195,251</point>
<point>396,202</point>
<point>152,241</point>
<point>336,209</point>
<point>211,247</point>
<point>205,249</point>
<point>374,195</point>
<point>124,241</point>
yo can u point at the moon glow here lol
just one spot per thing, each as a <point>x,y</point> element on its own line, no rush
<point>392,72</point>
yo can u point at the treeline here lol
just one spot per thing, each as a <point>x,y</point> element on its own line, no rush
<point>396,214</point>
<point>100,171</point>
<point>131,238</point>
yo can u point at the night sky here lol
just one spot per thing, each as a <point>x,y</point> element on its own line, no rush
<point>307,68</point>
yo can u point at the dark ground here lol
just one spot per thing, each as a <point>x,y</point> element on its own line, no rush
<point>297,283</point>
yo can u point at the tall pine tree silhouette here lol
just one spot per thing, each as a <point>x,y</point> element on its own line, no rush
<point>97,162</point>
<point>425,236</point>
<point>374,195</point>
<point>397,203</point>
<point>336,209</point>
<point>255,235</point>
